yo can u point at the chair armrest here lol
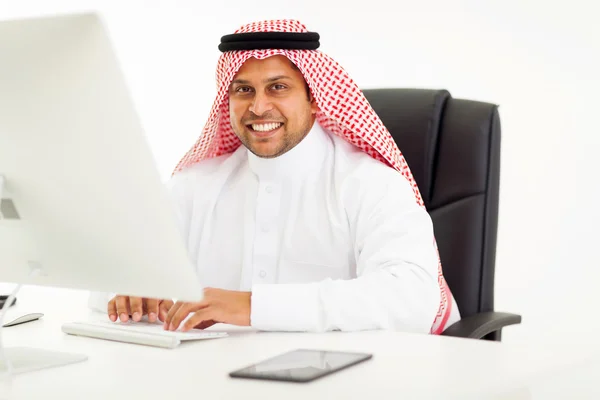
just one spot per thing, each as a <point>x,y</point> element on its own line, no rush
<point>481,324</point>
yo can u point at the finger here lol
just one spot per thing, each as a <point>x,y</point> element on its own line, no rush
<point>181,314</point>
<point>136,305</point>
<point>171,314</point>
<point>112,309</point>
<point>152,309</point>
<point>163,309</point>
<point>203,325</point>
<point>123,308</point>
<point>201,316</point>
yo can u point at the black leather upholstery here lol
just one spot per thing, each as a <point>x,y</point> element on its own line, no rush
<point>452,147</point>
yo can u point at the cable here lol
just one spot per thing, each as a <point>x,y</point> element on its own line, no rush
<point>34,272</point>
<point>3,356</point>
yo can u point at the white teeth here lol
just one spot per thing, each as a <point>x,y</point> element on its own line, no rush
<point>266,127</point>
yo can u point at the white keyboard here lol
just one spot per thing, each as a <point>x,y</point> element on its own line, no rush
<point>146,333</point>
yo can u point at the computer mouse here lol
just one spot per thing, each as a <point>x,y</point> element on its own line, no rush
<point>23,319</point>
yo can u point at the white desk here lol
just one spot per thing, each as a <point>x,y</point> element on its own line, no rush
<point>404,366</point>
<point>575,382</point>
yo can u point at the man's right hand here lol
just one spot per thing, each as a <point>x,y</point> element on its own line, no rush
<point>124,306</point>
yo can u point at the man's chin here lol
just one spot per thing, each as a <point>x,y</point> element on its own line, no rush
<point>266,150</point>
<point>264,154</point>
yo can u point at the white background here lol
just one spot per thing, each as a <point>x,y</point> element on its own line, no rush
<point>537,59</point>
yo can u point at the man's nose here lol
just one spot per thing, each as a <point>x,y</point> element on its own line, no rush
<point>261,104</point>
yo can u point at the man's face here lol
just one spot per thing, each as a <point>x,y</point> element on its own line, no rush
<point>270,110</point>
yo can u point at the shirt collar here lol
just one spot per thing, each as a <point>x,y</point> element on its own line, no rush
<point>304,159</point>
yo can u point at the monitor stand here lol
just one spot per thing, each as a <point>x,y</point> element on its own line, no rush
<point>15,360</point>
<point>27,359</point>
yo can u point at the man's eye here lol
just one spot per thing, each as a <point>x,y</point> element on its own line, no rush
<point>278,86</point>
<point>243,89</point>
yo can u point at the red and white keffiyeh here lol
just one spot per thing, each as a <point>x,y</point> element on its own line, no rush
<point>343,111</point>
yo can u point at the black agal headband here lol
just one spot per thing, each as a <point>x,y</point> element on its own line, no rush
<point>270,40</point>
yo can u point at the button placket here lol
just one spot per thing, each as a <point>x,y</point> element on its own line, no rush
<point>265,241</point>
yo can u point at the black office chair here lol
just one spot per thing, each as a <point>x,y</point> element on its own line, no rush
<point>452,147</point>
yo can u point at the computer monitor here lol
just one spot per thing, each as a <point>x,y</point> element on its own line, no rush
<point>83,203</point>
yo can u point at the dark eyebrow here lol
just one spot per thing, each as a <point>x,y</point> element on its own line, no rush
<point>276,78</point>
<point>268,80</point>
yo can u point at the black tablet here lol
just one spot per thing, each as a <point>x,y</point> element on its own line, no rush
<point>301,365</point>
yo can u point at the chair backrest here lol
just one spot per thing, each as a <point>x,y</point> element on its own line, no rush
<point>452,147</point>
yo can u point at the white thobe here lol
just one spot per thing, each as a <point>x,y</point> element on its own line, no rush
<point>324,236</point>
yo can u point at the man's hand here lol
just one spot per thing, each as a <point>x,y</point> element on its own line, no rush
<point>123,306</point>
<point>226,306</point>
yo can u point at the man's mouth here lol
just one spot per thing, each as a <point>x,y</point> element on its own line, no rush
<point>265,127</point>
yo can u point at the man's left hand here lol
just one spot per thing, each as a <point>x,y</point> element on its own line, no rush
<point>218,305</point>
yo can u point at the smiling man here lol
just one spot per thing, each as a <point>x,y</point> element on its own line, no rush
<point>298,209</point>
<point>270,106</point>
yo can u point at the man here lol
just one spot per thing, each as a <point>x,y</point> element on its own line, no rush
<point>297,207</point>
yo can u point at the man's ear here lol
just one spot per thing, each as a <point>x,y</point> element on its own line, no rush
<point>314,108</point>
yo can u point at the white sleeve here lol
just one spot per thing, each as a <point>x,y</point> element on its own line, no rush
<point>397,264</point>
